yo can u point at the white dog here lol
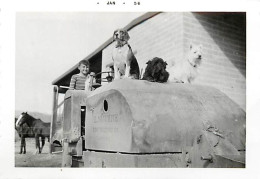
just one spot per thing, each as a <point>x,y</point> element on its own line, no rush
<point>124,62</point>
<point>186,70</point>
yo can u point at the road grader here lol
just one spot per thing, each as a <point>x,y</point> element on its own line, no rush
<point>136,123</point>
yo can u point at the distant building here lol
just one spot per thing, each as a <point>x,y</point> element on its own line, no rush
<point>168,35</point>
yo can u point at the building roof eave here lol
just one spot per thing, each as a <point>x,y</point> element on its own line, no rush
<point>129,26</point>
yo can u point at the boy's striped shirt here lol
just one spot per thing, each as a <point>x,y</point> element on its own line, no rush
<point>77,82</point>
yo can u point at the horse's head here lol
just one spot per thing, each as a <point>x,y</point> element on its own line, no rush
<point>21,119</point>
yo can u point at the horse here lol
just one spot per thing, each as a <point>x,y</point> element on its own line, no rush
<point>39,128</point>
<point>24,131</point>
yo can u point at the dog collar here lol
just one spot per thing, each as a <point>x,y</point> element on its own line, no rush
<point>120,45</point>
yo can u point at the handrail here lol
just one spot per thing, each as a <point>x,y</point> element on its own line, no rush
<point>109,78</point>
<point>104,72</point>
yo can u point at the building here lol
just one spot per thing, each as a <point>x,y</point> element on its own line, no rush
<point>168,35</point>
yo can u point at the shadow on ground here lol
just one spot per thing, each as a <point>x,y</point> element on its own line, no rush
<point>30,159</point>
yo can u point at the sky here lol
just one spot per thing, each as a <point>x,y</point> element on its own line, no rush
<point>50,43</point>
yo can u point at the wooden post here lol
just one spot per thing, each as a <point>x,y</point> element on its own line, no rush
<point>54,115</point>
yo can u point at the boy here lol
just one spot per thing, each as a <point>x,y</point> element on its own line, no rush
<point>78,81</point>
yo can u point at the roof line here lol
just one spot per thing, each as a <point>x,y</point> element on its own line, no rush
<point>129,26</point>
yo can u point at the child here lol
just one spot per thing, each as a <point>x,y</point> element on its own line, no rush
<point>78,81</point>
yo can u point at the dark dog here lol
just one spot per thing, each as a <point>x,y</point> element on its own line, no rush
<point>155,71</point>
<point>125,63</point>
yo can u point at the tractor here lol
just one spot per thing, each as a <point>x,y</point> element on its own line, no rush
<point>137,123</point>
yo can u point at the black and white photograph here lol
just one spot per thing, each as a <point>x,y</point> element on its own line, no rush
<point>144,90</point>
<point>167,89</point>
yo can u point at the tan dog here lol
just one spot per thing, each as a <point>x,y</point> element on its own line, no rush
<point>124,61</point>
<point>186,71</point>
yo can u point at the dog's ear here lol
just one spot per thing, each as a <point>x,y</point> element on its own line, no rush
<point>149,62</point>
<point>114,34</point>
<point>126,36</point>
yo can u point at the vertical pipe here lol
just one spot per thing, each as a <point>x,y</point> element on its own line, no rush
<point>54,115</point>
<point>66,157</point>
<point>92,74</point>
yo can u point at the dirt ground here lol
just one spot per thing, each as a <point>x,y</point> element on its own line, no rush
<point>30,159</point>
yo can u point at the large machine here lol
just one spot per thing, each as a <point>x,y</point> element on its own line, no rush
<point>136,123</point>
